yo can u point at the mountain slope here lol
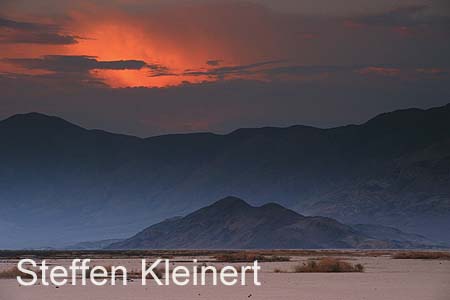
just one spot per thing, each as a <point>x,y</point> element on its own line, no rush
<point>60,183</point>
<point>231,223</point>
<point>391,234</point>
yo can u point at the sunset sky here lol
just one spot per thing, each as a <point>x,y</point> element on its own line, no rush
<point>154,67</point>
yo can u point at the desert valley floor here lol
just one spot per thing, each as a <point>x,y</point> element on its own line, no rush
<point>384,277</point>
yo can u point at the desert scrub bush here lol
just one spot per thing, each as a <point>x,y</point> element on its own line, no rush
<point>326,265</point>
<point>13,273</point>
<point>249,257</point>
<point>138,274</point>
<point>278,270</point>
<point>421,255</point>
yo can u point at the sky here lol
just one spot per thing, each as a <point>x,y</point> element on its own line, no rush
<point>155,67</point>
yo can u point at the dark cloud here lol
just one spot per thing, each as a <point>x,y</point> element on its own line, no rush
<point>157,70</point>
<point>25,25</point>
<point>33,33</point>
<point>274,70</point>
<point>38,38</point>
<point>77,64</point>
<point>214,62</point>
<point>231,70</point>
<point>76,70</point>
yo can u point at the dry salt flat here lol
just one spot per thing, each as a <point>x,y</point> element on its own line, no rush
<point>384,279</point>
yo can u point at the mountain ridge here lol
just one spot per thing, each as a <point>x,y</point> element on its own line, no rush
<point>43,116</point>
<point>231,223</point>
<point>393,171</point>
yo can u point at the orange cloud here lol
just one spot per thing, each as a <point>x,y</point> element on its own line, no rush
<point>179,38</point>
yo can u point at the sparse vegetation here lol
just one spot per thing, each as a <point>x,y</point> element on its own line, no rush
<point>13,273</point>
<point>129,254</point>
<point>166,256</point>
<point>278,270</point>
<point>326,265</point>
<point>421,255</point>
<point>249,257</point>
<point>138,274</point>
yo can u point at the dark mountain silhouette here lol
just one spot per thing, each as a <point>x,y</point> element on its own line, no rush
<point>62,183</point>
<point>231,223</point>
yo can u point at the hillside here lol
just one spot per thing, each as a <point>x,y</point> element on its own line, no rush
<point>231,223</point>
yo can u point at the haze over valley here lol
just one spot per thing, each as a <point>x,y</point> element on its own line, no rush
<point>62,184</point>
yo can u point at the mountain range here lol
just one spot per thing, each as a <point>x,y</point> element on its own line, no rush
<point>61,183</point>
<point>231,223</point>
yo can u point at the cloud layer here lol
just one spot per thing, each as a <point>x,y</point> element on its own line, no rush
<point>150,67</point>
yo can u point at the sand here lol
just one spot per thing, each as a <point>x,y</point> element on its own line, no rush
<point>384,279</point>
